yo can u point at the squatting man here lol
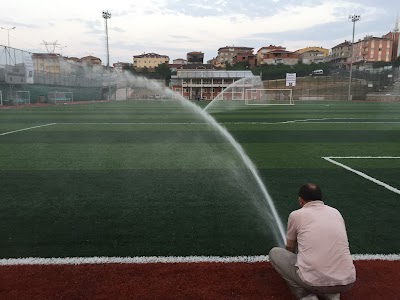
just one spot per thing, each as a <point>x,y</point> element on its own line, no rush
<point>323,266</point>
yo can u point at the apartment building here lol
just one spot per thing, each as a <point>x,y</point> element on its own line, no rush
<point>195,57</point>
<point>274,55</point>
<point>149,61</point>
<point>227,54</point>
<point>91,60</point>
<point>46,63</point>
<point>324,51</point>
<point>340,54</point>
<point>179,61</point>
<point>313,55</point>
<point>372,49</point>
<point>248,57</point>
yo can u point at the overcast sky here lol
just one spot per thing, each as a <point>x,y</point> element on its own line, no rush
<point>175,27</point>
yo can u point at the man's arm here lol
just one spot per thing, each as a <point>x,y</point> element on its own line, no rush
<point>291,245</point>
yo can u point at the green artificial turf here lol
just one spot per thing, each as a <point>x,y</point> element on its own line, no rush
<point>172,185</point>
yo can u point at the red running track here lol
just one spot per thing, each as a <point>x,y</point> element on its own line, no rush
<point>376,280</point>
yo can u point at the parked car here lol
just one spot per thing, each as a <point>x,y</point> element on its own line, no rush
<point>317,73</point>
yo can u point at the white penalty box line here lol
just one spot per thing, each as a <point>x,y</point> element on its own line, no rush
<point>332,159</point>
<point>168,260</point>
<point>28,128</point>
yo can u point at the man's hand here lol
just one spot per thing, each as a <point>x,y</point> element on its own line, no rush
<point>291,246</point>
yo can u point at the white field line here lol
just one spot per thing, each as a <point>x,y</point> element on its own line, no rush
<point>29,128</point>
<point>305,121</point>
<point>385,185</point>
<point>166,260</point>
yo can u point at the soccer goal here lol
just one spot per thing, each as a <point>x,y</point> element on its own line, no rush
<point>1,98</point>
<point>238,95</point>
<point>56,97</point>
<point>269,97</point>
<point>19,97</point>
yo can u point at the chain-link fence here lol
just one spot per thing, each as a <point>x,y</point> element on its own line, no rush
<point>336,85</point>
<point>42,73</point>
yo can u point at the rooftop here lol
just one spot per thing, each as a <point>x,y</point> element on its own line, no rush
<point>213,74</point>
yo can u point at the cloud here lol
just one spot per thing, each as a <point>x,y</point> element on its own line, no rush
<point>175,27</point>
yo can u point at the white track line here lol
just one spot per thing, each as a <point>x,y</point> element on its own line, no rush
<point>29,128</point>
<point>166,260</point>
<point>385,185</point>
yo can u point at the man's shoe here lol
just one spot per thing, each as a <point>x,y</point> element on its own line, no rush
<point>310,297</point>
<point>332,297</point>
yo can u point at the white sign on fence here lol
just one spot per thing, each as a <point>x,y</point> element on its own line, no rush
<point>28,67</point>
<point>291,79</point>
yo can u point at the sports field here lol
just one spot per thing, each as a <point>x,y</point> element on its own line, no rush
<point>152,178</point>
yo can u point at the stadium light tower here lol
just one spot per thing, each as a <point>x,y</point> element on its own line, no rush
<point>8,29</point>
<point>353,18</point>
<point>106,16</point>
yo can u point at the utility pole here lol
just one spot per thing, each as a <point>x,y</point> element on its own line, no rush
<point>8,47</point>
<point>54,45</point>
<point>353,18</point>
<point>61,49</point>
<point>8,30</point>
<point>106,16</point>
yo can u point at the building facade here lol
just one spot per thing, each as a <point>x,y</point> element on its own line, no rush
<point>340,54</point>
<point>247,57</point>
<point>372,49</point>
<point>149,61</point>
<point>227,54</point>
<point>195,57</point>
<point>91,60</point>
<point>275,55</point>
<point>205,84</point>
<point>46,63</point>
<point>324,51</point>
<point>179,61</point>
<point>312,56</point>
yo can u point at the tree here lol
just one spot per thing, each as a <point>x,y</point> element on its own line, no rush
<point>163,71</point>
<point>240,65</point>
<point>129,68</point>
<point>396,63</point>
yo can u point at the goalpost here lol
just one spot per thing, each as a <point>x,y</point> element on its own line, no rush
<point>19,97</point>
<point>23,97</point>
<point>269,97</point>
<point>232,95</point>
<point>55,97</point>
<point>1,98</point>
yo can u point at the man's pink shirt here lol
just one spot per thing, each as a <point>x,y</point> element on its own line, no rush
<point>323,249</point>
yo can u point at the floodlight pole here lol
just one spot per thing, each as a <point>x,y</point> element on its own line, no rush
<point>106,16</point>
<point>353,18</point>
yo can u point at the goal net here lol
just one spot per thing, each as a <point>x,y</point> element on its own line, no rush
<point>56,97</point>
<point>232,95</point>
<point>269,97</point>
<point>19,97</point>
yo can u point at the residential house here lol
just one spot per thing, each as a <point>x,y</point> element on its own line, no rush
<point>149,61</point>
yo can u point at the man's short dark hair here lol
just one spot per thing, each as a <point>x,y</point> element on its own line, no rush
<point>310,192</point>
